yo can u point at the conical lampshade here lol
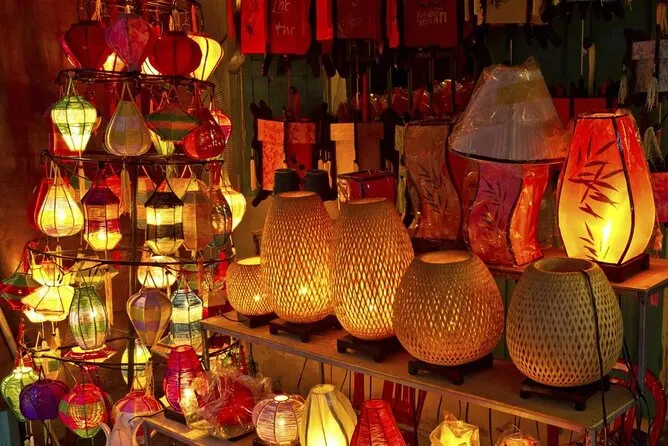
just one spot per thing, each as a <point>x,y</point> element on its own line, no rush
<point>376,426</point>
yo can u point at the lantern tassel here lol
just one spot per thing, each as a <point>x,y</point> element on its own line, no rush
<point>97,11</point>
<point>537,5</point>
<point>650,144</point>
<point>126,193</point>
<point>591,75</point>
<point>652,93</point>
<point>328,168</point>
<point>253,175</point>
<point>467,12</point>
<point>623,86</point>
<point>109,298</point>
<point>478,11</point>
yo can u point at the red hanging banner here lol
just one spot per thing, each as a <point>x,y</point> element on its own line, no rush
<point>392,23</point>
<point>289,29</point>
<point>254,26</point>
<point>430,22</point>
<point>324,21</point>
<point>358,19</point>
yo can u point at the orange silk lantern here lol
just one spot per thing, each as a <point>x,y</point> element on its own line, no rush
<point>85,46</point>
<point>197,228</point>
<point>132,38</point>
<point>207,140</point>
<point>223,122</point>
<point>175,54</point>
<point>606,206</point>
<point>212,53</point>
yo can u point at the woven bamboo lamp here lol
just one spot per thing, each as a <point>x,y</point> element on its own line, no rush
<point>197,230</point>
<point>83,409</point>
<point>455,433</point>
<point>102,228</point>
<point>550,327</point>
<point>141,356</point>
<point>185,325</point>
<point>371,251</point>
<point>297,228</point>
<point>329,418</point>
<point>448,310</point>
<point>149,311</point>
<point>158,275</point>
<point>277,419</point>
<point>59,214</point>
<point>245,289</point>
<point>75,118</point>
<point>39,400</point>
<point>377,426</point>
<point>164,221</point>
<point>12,385</point>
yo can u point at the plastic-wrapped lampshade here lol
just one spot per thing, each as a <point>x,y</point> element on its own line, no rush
<point>83,409</point>
<point>329,418</point>
<point>88,319</point>
<point>246,291</point>
<point>12,385</point>
<point>102,228</point>
<point>164,221</point>
<point>59,214</point>
<point>136,404</point>
<point>197,229</point>
<point>185,325</point>
<point>149,311</point>
<point>371,251</point>
<point>212,53</point>
<point>277,419</point>
<point>39,400</point>
<point>142,356</point>
<point>158,275</point>
<point>75,119</point>
<point>221,217</point>
<point>377,426</point>
<point>298,228</point>
<point>455,433</point>
<point>183,367</point>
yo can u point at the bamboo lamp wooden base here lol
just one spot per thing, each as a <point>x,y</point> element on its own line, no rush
<point>576,395</point>
<point>454,373</point>
<point>304,331</point>
<point>378,350</point>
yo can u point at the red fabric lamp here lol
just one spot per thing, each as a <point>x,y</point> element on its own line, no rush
<point>207,140</point>
<point>183,367</point>
<point>175,54</point>
<point>85,45</point>
<point>132,38</point>
<point>376,426</point>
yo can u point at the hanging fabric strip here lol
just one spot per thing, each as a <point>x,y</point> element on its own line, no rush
<point>254,26</point>
<point>272,136</point>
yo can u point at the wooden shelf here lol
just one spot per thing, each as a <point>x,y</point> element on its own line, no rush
<point>190,437</point>
<point>496,388</point>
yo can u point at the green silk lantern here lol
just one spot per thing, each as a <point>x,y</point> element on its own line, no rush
<point>75,119</point>
<point>88,319</point>
<point>11,387</point>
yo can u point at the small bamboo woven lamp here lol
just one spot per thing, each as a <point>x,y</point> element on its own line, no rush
<point>277,419</point>
<point>296,257</point>
<point>448,309</point>
<point>550,328</point>
<point>371,251</point>
<point>377,426</point>
<point>329,418</point>
<point>245,290</point>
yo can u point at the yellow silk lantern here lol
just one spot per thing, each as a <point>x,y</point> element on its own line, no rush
<point>164,148</point>
<point>245,290</point>
<point>158,275</point>
<point>75,119</point>
<point>59,215</point>
<point>329,418</point>
<point>142,356</point>
<point>148,68</point>
<point>164,221</point>
<point>235,200</point>
<point>197,230</point>
<point>455,433</point>
<point>212,54</point>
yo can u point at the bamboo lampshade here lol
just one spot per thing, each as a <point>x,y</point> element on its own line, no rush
<point>164,221</point>
<point>277,419</point>
<point>550,329</point>
<point>83,409</point>
<point>197,229</point>
<point>12,385</point>
<point>329,418</point>
<point>149,311</point>
<point>187,311</point>
<point>245,290</point>
<point>296,257</point>
<point>377,426</point>
<point>102,228</point>
<point>448,309</point>
<point>59,214</point>
<point>88,319</point>
<point>371,251</point>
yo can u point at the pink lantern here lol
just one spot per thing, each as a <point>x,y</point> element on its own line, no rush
<point>132,38</point>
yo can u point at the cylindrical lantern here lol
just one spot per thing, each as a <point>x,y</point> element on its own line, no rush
<point>221,217</point>
<point>329,418</point>
<point>455,433</point>
<point>185,325</point>
<point>158,276</point>
<point>133,407</point>
<point>212,53</point>
<point>371,251</point>
<point>49,303</point>
<point>175,54</point>
<point>101,206</point>
<point>127,133</point>
<point>141,356</point>
<point>448,310</point>
<point>277,419</point>
<point>245,290</point>
<point>183,367</point>
<point>606,205</point>
<point>207,140</point>
<point>164,148</point>
<point>149,311</point>
<point>13,384</point>
<point>164,221</point>
<point>145,189</point>
<point>88,319</point>
<point>377,426</point>
<point>298,228</point>
<point>234,199</point>
<point>83,409</point>
<point>75,119</point>
<point>132,38</point>
<point>551,326</point>
<point>85,46</point>
<point>197,231</point>
<point>39,400</point>
<point>59,214</point>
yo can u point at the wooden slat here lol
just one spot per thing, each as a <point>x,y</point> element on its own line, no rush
<point>190,437</point>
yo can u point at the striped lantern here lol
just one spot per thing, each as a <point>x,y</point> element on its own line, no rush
<point>221,216</point>
<point>102,228</point>
<point>277,419</point>
<point>132,38</point>
<point>164,221</point>
<point>212,53</point>
<point>329,417</point>
<point>88,319</point>
<point>171,122</point>
<point>14,383</point>
<point>75,118</point>
<point>197,228</point>
<point>39,400</point>
<point>149,311</point>
<point>59,214</point>
<point>127,133</point>
<point>175,54</point>
<point>137,403</point>
<point>183,367</point>
<point>185,326</point>
<point>145,187</point>
<point>83,409</point>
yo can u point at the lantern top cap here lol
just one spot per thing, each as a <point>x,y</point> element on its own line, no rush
<point>564,266</point>
<point>445,257</point>
<point>322,389</point>
<point>281,398</point>
<point>250,261</point>
<point>618,113</point>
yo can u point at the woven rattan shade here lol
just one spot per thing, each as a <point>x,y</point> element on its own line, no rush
<point>245,289</point>
<point>277,419</point>
<point>448,309</point>
<point>371,251</point>
<point>296,257</point>
<point>550,328</point>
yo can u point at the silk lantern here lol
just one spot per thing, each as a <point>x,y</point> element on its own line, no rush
<point>85,46</point>
<point>148,68</point>
<point>39,400</point>
<point>127,133</point>
<point>83,409</point>
<point>221,217</point>
<point>75,119</point>
<point>512,133</point>
<point>141,357</point>
<point>12,385</point>
<point>234,199</point>
<point>49,303</point>
<point>329,418</point>
<point>132,38</point>
<point>377,426</point>
<point>455,433</point>
<point>197,230</point>
<point>133,407</point>
<point>101,206</point>
<point>245,290</point>
<point>145,187</point>
<point>212,54</point>
<point>160,275</point>
<point>277,419</point>
<point>59,215</point>
<point>171,121</point>
<point>149,311</point>
<point>113,63</point>
<point>164,221</point>
<point>223,121</point>
<point>175,54</point>
<point>164,148</point>
<point>606,206</point>
<point>183,367</point>
<point>88,319</point>
<point>207,140</point>
<point>371,251</point>
<point>185,325</point>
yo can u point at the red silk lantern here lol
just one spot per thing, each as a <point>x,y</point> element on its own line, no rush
<point>183,367</point>
<point>207,140</point>
<point>376,426</point>
<point>85,45</point>
<point>223,121</point>
<point>132,38</point>
<point>175,54</point>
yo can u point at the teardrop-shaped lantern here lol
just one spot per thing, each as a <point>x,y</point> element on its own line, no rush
<point>85,45</point>
<point>149,311</point>
<point>127,133</point>
<point>13,384</point>
<point>39,400</point>
<point>207,140</point>
<point>221,217</point>
<point>197,231</point>
<point>212,53</point>
<point>171,122</point>
<point>59,215</point>
<point>101,207</point>
<point>75,119</point>
<point>88,319</point>
<point>132,38</point>
<point>83,409</point>
<point>175,54</point>
<point>164,221</point>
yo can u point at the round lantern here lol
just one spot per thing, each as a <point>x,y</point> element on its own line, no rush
<point>49,303</point>
<point>234,199</point>
<point>158,275</point>
<point>85,46</point>
<point>197,231</point>
<point>145,187</point>
<point>88,319</point>
<point>207,140</point>
<point>134,405</point>
<point>164,221</point>
<point>83,409</point>
<point>132,38</point>
<point>13,384</point>
<point>297,228</point>
<point>221,217</point>
<point>127,133</point>
<point>377,426</point>
<point>101,207</point>
<point>149,311</point>
<point>277,419</point>
<point>75,119</point>
<point>175,54</point>
<point>39,400</point>
<point>141,356</point>
<point>164,148</point>
<point>59,215</point>
<point>448,309</point>
<point>551,331</point>
<point>183,367</point>
<point>245,290</point>
<point>329,417</point>
<point>371,252</point>
<point>185,324</point>
<point>212,53</point>
<point>223,122</point>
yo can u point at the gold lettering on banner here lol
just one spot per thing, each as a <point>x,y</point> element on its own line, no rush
<point>432,17</point>
<point>283,7</point>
